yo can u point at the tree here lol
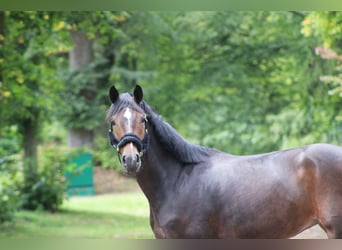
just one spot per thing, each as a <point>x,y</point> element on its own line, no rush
<point>2,36</point>
<point>81,55</point>
<point>223,79</point>
<point>93,54</point>
<point>28,81</point>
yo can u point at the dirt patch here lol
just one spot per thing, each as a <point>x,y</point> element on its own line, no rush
<point>110,181</point>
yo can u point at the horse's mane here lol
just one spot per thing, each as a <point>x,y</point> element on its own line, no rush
<point>168,137</point>
<point>173,142</point>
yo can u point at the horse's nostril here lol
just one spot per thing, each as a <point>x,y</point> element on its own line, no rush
<point>124,159</point>
<point>137,158</point>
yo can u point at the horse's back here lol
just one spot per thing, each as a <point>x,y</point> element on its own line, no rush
<point>273,195</point>
<point>312,173</point>
<point>304,183</point>
<point>253,196</point>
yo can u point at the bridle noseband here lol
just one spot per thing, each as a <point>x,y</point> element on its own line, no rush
<point>142,145</point>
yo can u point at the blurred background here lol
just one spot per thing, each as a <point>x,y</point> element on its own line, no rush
<point>242,82</point>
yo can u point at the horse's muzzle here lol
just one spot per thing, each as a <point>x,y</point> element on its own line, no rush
<point>131,163</point>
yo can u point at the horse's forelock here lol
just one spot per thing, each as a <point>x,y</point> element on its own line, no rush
<point>125,101</point>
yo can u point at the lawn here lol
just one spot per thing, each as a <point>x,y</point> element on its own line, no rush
<point>124,215</point>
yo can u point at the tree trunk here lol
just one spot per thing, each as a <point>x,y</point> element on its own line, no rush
<point>2,36</point>
<point>30,128</point>
<point>78,137</point>
<point>80,55</point>
<point>129,63</point>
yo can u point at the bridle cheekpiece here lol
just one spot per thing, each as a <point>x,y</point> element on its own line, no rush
<point>142,145</point>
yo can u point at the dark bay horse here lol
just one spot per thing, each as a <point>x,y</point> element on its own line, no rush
<point>199,192</point>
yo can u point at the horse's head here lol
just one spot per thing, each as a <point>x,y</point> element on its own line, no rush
<point>128,133</point>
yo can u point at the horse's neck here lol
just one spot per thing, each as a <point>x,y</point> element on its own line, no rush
<point>159,171</point>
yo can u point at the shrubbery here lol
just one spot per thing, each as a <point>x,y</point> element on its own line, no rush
<point>48,192</point>
<point>11,173</point>
<point>10,181</point>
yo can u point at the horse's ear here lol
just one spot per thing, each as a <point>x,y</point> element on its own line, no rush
<point>138,94</point>
<point>113,94</point>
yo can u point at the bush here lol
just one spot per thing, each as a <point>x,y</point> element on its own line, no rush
<point>9,143</point>
<point>10,180</point>
<point>48,191</point>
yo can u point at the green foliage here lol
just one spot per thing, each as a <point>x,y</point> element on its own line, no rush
<point>325,25</point>
<point>79,110</point>
<point>105,155</point>
<point>53,132</point>
<point>10,181</point>
<point>243,82</point>
<point>48,192</point>
<point>235,75</point>
<point>9,141</point>
<point>29,80</point>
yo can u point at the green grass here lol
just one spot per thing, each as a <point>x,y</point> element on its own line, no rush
<point>124,215</point>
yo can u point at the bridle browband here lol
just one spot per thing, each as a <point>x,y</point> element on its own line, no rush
<point>142,145</point>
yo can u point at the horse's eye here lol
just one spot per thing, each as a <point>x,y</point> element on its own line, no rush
<point>112,123</point>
